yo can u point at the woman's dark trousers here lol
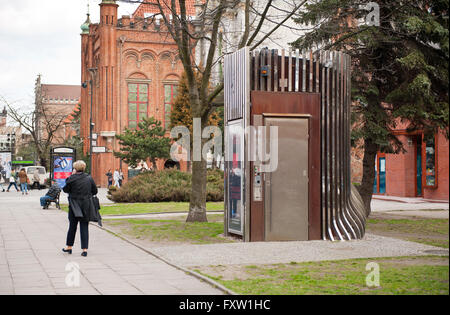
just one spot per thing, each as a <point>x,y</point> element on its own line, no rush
<point>84,231</point>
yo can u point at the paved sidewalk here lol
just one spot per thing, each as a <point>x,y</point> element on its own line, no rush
<point>102,196</point>
<point>414,207</point>
<point>385,203</point>
<point>31,260</point>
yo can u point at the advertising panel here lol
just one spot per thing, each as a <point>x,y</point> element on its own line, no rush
<point>62,169</point>
<point>235,176</point>
<point>5,166</point>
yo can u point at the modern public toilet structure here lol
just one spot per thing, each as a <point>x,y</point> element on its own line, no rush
<point>287,147</point>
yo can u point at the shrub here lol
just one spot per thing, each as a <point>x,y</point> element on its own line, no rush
<point>167,185</point>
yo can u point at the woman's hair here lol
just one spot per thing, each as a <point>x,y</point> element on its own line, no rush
<point>79,166</point>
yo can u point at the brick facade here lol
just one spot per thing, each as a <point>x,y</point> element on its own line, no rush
<point>441,192</point>
<point>402,175</point>
<point>126,50</point>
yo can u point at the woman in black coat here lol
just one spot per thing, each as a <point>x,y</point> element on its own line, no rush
<point>80,187</point>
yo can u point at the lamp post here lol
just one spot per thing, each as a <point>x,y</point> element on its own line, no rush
<point>93,73</point>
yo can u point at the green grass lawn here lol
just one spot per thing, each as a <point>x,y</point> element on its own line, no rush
<point>433,232</point>
<point>140,208</point>
<point>171,231</point>
<point>405,275</point>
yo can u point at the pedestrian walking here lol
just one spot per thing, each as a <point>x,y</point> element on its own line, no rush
<point>1,186</point>
<point>117,178</point>
<point>110,178</point>
<point>23,178</point>
<point>81,189</point>
<point>121,177</point>
<point>13,181</point>
<point>51,194</point>
<point>36,180</point>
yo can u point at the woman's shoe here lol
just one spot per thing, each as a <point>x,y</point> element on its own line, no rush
<point>67,251</point>
<point>84,254</point>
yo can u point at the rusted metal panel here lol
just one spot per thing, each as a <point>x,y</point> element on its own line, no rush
<point>300,103</point>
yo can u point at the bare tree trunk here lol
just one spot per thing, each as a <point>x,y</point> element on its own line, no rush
<point>366,188</point>
<point>44,163</point>
<point>197,206</point>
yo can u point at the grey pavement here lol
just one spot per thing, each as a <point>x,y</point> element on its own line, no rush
<point>31,260</point>
<point>386,203</point>
<point>102,196</point>
<point>415,207</point>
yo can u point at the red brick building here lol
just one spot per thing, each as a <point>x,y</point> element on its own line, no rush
<point>422,171</point>
<point>135,70</point>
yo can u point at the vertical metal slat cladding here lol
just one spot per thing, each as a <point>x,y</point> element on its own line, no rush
<point>323,146</point>
<point>328,73</point>
<point>304,76</point>
<point>297,71</point>
<point>327,160</point>
<point>275,70</point>
<point>290,70</point>
<point>350,234</point>
<point>269,77</point>
<point>283,70</point>
<point>353,228</point>
<point>335,206</point>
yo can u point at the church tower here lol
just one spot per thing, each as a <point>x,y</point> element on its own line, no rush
<point>106,67</point>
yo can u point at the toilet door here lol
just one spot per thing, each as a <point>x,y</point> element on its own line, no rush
<point>286,189</point>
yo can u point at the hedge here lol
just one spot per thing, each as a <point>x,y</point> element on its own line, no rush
<point>166,185</point>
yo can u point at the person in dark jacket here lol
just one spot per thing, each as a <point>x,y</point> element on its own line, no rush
<point>80,187</point>
<point>110,178</point>
<point>51,194</point>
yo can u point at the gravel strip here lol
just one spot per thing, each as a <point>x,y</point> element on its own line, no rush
<point>371,246</point>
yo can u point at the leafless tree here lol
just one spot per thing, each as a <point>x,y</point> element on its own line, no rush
<point>197,39</point>
<point>42,124</point>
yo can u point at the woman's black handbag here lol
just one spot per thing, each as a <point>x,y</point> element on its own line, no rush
<point>95,214</point>
<point>96,203</point>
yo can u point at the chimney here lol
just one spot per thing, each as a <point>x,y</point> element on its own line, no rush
<point>125,20</point>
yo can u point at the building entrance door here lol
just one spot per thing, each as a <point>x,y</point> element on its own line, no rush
<point>418,166</point>
<point>286,188</point>
<point>382,176</point>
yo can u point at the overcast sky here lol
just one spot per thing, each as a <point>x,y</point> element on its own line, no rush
<point>42,37</point>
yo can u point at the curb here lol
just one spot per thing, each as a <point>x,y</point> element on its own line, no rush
<point>192,273</point>
<point>111,216</point>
